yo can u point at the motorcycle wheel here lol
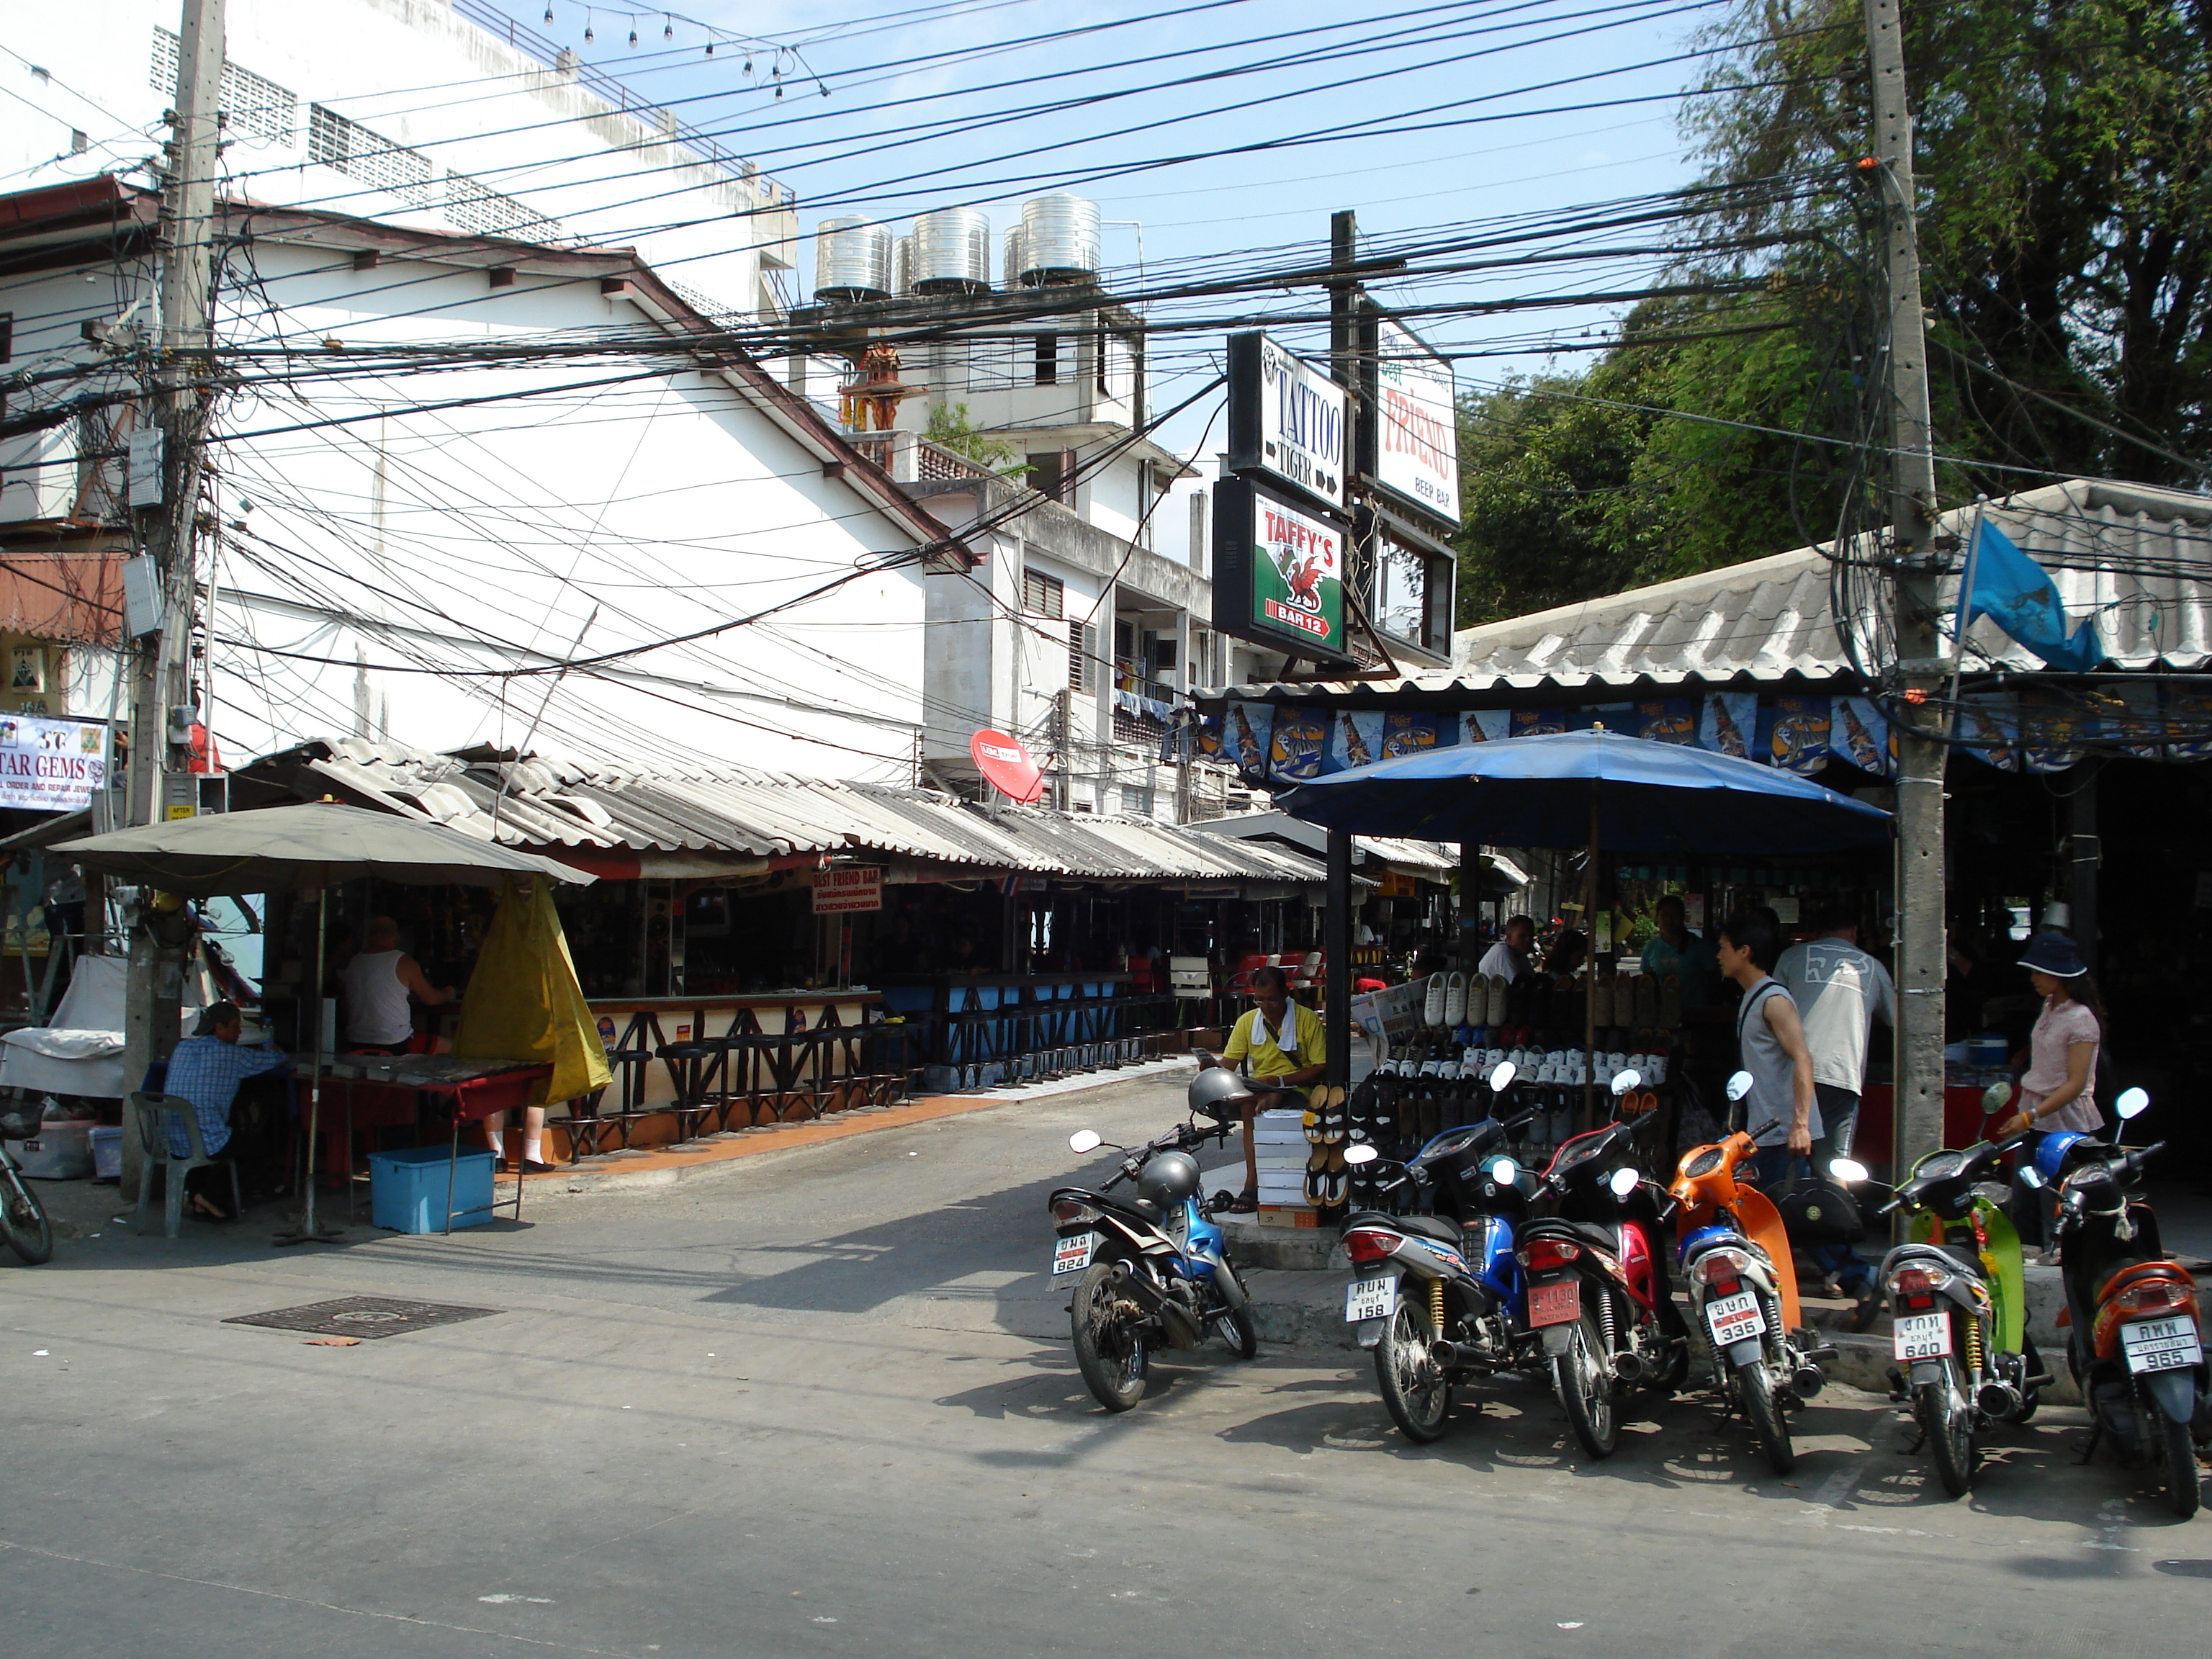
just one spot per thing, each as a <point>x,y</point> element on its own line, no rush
<point>1235,1328</point>
<point>1586,1390</point>
<point>2179,1451</point>
<point>1764,1412</point>
<point>1109,1344</point>
<point>23,1218</point>
<point>1949,1428</point>
<point>1414,1386</point>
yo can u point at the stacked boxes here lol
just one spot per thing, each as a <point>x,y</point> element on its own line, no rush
<point>1278,1141</point>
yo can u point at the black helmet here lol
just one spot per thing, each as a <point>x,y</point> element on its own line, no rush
<point>1169,1179</point>
<point>1218,1094</point>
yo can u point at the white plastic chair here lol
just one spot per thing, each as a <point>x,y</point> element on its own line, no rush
<point>153,1113</point>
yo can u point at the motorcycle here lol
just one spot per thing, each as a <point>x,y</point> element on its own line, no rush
<point>1152,1269</point>
<point>1958,1310</point>
<point>1468,1315</point>
<point>23,1221</point>
<point>2135,1336</point>
<point>1597,1291</point>
<point>1742,1279</point>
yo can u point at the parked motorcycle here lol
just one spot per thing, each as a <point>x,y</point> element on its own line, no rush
<point>1152,1269</point>
<point>23,1221</point>
<point>1742,1280</point>
<point>1465,1315</point>
<point>2135,1336</point>
<point>1597,1289</point>
<point>1957,1306</point>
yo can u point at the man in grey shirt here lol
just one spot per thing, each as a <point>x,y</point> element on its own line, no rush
<point>1839,990</point>
<point>1780,1112</point>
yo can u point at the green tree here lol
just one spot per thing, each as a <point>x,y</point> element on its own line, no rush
<point>950,429</point>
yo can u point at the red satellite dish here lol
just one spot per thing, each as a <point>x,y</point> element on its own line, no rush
<point>1006,766</point>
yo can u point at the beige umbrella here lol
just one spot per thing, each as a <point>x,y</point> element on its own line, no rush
<point>316,845</point>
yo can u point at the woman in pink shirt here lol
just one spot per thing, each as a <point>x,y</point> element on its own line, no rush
<point>2058,1090</point>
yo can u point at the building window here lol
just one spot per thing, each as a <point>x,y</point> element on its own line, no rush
<point>1136,803</point>
<point>1082,652</point>
<point>1052,475</point>
<point>1043,595</point>
<point>7,336</point>
<point>249,102</point>
<point>1047,359</point>
<point>354,150</point>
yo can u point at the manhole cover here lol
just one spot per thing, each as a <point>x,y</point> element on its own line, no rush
<point>363,1316</point>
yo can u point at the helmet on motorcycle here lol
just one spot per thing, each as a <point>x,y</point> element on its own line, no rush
<point>1218,1094</point>
<point>2051,1156</point>
<point>1169,1179</point>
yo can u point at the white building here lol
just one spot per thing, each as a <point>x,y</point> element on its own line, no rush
<point>453,117</point>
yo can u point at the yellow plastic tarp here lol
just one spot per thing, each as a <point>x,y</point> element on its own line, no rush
<point>523,1001</point>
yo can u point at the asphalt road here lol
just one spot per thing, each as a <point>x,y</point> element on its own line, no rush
<point>824,1405</point>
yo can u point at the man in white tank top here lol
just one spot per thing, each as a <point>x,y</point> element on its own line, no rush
<point>379,981</point>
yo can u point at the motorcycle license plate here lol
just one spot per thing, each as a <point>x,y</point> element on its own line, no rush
<point>1073,1256</point>
<point>1733,1318</point>
<point>1923,1336</point>
<point>1555,1304</point>
<point>1371,1299</point>
<point>2162,1344</point>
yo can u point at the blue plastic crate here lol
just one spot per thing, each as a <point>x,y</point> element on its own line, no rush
<point>407,1188</point>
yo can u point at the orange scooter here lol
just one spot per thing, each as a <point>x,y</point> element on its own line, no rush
<point>1742,1281</point>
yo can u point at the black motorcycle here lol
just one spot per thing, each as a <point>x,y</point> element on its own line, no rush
<point>23,1221</point>
<point>1152,1269</point>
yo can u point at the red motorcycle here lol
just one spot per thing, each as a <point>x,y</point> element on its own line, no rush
<point>1598,1294</point>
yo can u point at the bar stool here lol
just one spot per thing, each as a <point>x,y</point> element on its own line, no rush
<point>587,1123</point>
<point>694,1067</point>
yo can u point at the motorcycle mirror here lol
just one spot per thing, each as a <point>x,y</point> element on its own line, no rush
<point>1502,1076</point>
<point>1623,1180</point>
<point>1996,1098</point>
<point>1361,1154</point>
<point>1503,1171</point>
<point>2030,1176</point>
<point>1085,1141</point>
<point>1739,1086</point>
<point>1623,1082</point>
<point>2132,1102</point>
<point>1847,1170</point>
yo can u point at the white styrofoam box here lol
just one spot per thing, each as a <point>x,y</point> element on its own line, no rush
<point>60,1151</point>
<point>106,1141</point>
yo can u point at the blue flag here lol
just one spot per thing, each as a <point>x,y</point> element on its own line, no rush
<point>2017,594</point>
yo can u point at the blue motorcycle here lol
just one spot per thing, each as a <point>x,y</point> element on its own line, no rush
<point>1438,1296</point>
<point>1151,1270</point>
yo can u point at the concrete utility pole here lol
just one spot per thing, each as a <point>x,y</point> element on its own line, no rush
<point>1336,920</point>
<point>160,669</point>
<point>1921,665</point>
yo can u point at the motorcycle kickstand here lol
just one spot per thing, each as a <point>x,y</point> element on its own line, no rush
<point>2089,1446</point>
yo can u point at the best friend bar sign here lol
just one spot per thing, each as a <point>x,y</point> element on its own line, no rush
<point>51,766</point>
<point>1279,574</point>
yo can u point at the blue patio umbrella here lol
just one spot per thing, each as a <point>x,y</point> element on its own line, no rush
<point>1598,789</point>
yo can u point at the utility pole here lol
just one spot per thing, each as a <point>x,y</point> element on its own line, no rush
<point>159,659</point>
<point>1920,666</point>
<point>1336,920</point>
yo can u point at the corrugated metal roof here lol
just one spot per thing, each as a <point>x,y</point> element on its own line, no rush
<point>1771,619</point>
<point>540,804</point>
<point>1425,855</point>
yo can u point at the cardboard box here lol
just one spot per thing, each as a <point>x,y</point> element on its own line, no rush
<point>1280,1215</point>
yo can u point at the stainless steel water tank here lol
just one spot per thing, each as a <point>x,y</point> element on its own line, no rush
<point>1060,238</point>
<point>951,251</point>
<point>903,265</point>
<point>852,258</point>
<point>1013,266</point>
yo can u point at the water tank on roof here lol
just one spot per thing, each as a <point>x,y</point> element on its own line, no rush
<point>951,251</point>
<point>852,258</point>
<point>1013,265</point>
<point>1060,238</point>
<point>903,265</point>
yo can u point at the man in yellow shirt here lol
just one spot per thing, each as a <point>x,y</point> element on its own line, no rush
<point>1281,1045</point>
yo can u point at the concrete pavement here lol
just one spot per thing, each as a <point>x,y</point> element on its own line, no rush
<point>823,1404</point>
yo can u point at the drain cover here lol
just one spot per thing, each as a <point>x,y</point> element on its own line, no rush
<point>363,1316</point>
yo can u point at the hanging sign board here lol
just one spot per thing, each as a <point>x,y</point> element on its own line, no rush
<point>1278,571</point>
<point>1006,766</point>
<point>1285,420</point>
<point>844,889</point>
<point>1414,440</point>
<point>51,766</point>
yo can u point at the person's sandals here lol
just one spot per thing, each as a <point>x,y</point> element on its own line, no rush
<point>1243,1203</point>
<point>203,1210</point>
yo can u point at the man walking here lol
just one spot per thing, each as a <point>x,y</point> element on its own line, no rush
<point>1839,990</point>
<point>1781,1114</point>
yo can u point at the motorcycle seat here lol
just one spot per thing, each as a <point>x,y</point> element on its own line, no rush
<point>1594,1233</point>
<point>1423,1226</point>
<point>1962,1255</point>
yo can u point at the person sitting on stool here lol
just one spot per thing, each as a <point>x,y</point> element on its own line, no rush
<point>1273,1039</point>
<point>379,981</point>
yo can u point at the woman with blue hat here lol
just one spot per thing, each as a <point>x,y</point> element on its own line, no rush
<point>2058,1088</point>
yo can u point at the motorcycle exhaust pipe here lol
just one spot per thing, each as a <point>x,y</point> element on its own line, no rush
<point>1182,1326</point>
<point>1806,1381</point>
<point>1628,1367</point>
<point>1455,1356</point>
<point>1997,1398</point>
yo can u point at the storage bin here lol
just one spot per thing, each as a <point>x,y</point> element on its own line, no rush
<point>61,1150</point>
<point>407,1189</point>
<point>106,1140</point>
